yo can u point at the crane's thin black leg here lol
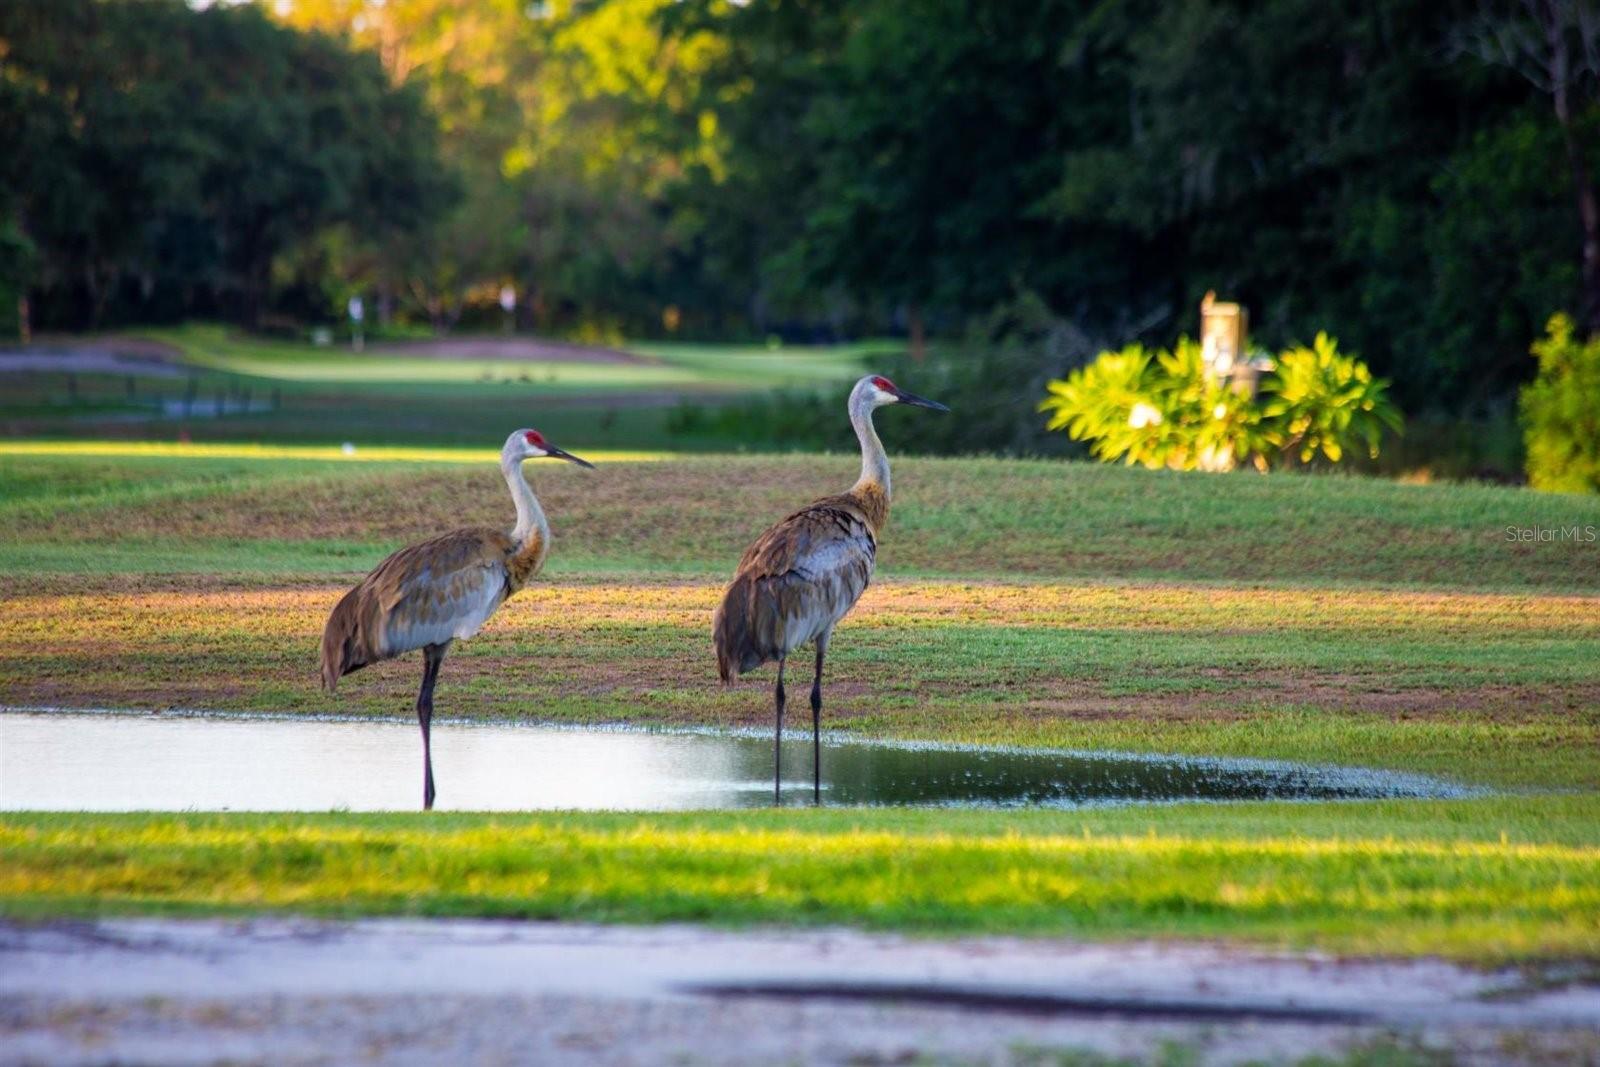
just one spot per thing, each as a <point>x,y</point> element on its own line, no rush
<point>432,657</point>
<point>816,723</point>
<point>777,743</point>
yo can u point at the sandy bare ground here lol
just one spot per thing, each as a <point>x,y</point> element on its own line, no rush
<point>413,991</point>
<point>124,355</point>
<point>531,349</point>
<point>100,355</point>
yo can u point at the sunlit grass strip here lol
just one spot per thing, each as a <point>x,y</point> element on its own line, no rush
<point>1475,899</point>
<point>579,605</point>
<point>359,454</point>
<point>700,367</point>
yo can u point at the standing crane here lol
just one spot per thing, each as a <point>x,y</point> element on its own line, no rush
<point>805,573</point>
<point>431,593</point>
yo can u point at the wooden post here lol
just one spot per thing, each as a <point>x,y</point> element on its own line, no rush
<point>1223,328</point>
<point>1223,331</point>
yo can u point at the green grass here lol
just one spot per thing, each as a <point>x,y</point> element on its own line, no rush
<point>1139,611</point>
<point>1466,878</point>
<point>748,367</point>
<point>1039,604</point>
<point>330,395</point>
<point>683,367</point>
<point>970,518</point>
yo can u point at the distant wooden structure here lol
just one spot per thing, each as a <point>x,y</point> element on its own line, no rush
<point>1224,329</point>
<point>1224,350</point>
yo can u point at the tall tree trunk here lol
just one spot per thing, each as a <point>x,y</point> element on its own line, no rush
<point>1560,73</point>
<point>98,287</point>
<point>254,298</point>
<point>1589,213</point>
<point>541,311</point>
<point>919,336</point>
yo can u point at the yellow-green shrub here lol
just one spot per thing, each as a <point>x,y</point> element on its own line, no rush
<point>1560,411</point>
<point>1161,409</point>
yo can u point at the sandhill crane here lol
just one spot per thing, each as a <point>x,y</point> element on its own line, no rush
<point>805,573</point>
<point>436,591</point>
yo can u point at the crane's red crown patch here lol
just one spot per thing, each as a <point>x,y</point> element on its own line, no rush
<point>883,383</point>
<point>534,437</point>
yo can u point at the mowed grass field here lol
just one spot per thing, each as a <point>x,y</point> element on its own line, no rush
<point>412,393</point>
<point>402,367</point>
<point>1325,618</point>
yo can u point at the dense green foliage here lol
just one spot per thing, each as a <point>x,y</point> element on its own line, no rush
<point>1319,404</point>
<point>1163,409</point>
<point>1561,412</point>
<point>1401,174</point>
<point>1327,163</point>
<point>162,161</point>
<point>565,123</point>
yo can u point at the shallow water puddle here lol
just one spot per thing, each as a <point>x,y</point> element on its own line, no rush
<point>105,762</point>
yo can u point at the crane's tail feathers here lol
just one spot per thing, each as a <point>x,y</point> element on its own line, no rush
<point>742,630</point>
<point>344,644</point>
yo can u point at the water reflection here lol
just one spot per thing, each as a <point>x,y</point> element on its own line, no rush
<point>126,763</point>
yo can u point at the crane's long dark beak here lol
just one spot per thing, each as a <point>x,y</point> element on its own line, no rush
<point>552,450</point>
<point>918,401</point>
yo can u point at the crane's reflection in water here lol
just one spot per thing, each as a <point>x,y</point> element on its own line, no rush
<point>101,762</point>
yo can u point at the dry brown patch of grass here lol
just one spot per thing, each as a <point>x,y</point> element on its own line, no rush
<point>622,649</point>
<point>104,606</point>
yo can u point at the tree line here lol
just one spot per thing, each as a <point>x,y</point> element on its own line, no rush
<point>1413,176</point>
<point>164,162</point>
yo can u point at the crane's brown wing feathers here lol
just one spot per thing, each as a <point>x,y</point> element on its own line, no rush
<point>794,582</point>
<point>420,595</point>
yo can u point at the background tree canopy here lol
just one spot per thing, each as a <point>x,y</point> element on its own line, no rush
<point>1414,176</point>
<point>166,160</point>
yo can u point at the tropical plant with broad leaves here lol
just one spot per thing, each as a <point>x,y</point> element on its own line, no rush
<point>1164,409</point>
<point>1113,404</point>
<point>1319,401</point>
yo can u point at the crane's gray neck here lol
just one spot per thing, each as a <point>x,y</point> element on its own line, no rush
<point>874,461</point>
<point>531,524</point>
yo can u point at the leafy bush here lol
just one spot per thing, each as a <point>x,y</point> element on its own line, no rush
<point>1161,409</point>
<point>1319,401</point>
<point>1155,408</point>
<point>1560,411</point>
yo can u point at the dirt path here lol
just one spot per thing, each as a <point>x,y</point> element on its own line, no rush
<point>402,991</point>
<point>125,355</point>
<point>99,355</point>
